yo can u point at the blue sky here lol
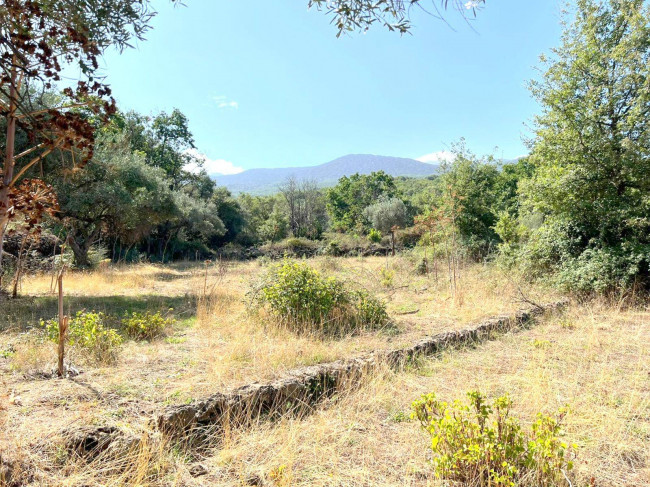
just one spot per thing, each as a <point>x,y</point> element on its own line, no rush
<point>268,84</point>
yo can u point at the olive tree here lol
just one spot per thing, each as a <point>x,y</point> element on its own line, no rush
<point>387,215</point>
<point>37,39</point>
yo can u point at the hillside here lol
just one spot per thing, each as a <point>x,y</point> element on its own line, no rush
<point>265,181</point>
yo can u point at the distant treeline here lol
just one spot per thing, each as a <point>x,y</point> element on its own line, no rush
<point>575,212</point>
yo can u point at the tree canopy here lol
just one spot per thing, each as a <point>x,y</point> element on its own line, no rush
<point>591,152</point>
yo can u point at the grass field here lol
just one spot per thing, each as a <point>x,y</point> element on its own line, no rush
<point>595,359</point>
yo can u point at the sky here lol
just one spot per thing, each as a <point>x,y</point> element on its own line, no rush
<point>268,84</point>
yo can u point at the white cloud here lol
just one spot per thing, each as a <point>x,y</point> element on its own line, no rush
<point>437,157</point>
<point>211,166</point>
<point>223,102</point>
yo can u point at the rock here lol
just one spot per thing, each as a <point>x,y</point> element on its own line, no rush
<point>12,472</point>
<point>198,470</point>
<point>254,479</point>
<point>92,440</point>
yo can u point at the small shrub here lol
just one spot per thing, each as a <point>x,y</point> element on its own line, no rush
<point>374,236</point>
<point>479,443</point>
<point>145,326</point>
<point>87,332</point>
<point>370,311</point>
<point>303,300</point>
<point>387,277</point>
<point>332,249</point>
<point>422,269</point>
<point>296,247</point>
<point>409,237</point>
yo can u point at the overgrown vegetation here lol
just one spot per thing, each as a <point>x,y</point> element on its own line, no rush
<point>480,444</point>
<point>89,334</point>
<point>302,300</point>
<point>145,326</point>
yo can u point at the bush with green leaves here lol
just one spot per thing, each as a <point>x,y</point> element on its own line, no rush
<point>590,185</point>
<point>374,235</point>
<point>88,333</point>
<point>145,326</point>
<point>303,300</point>
<point>480,444</point>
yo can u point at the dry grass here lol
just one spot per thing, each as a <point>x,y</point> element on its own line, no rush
<point>596,360</point>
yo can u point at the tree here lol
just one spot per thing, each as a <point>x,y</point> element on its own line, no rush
<point>38,38</point>
<point>354,15</point>
<point>347,200</point>
<point>591,151</point>
<point>305,206</point>
<point>166,140</point>
<point>387,215</point>
<point>230,213</point>
<point>468,196</point>
<point>116,195</point>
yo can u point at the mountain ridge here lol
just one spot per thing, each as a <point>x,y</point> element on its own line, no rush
<point>266,180</point>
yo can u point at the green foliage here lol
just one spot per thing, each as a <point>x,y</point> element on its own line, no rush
<point>332,249</point>
<point>374,235</point>
<point>387,276</point>
<point>422,269</point>
<point>291,247</point>
<point>116,190</point>
<point>590,186</point>
<point>88,332</point>
<point>468,199</point>
<point>347,200</point>
<point>360,15</point>
<point>304,300</point>
<point>145,326</point>
<point>387,214</point>
<point>265,222</point>
<point>480,444</point>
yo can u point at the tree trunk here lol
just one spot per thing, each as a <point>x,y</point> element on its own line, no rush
<point>9,162</point>
<point>392,242</point>
<point>80,252</point>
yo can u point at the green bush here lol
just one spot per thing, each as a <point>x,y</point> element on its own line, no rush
<point>332,249</point>
<point>299,247</point>
<point>87,332</point>
<point>145,326</point>
<point>374,236</point>
<point>422,268</point>
<point>555,254</point>
<point>479,444</point>
<point>387,276</point>
<point>305,301</point>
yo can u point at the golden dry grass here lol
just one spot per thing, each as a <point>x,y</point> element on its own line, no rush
<point>595,359</point>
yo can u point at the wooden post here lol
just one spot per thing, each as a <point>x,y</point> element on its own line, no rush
<point>63,325</point>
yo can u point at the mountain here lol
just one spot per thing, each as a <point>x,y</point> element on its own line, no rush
<point>266,181</point>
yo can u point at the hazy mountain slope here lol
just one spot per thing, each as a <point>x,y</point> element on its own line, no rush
<point>264,181</point>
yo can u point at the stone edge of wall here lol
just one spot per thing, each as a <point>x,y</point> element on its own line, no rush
<point>305,386</point>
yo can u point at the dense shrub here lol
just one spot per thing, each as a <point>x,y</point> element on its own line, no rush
<point>233,251</point>
<point>374,235</point>
<point>87,332</point>
<point>145,326</point>
<point>332,249</point>
<point>301,299</point>
<point>556,253</point>
<point>479,444</point>
<point>293,247</point>
<point>409,237</point>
